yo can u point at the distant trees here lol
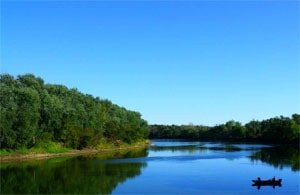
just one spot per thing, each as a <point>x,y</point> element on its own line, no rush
<point>274,130</point>
<point>32,112</point>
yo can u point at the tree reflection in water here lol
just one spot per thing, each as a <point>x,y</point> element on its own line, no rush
<point>279,157</point>
<point>83,175</point>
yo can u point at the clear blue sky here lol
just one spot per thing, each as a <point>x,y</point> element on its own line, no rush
<point>202,62</point>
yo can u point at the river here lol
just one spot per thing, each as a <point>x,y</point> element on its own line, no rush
<point>166,167</point>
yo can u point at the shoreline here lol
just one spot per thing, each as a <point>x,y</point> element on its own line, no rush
<point>230,141</point>
<point>72,153</point>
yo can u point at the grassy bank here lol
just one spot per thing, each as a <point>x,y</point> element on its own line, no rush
<point>52,149</point>
<point>49,147</point>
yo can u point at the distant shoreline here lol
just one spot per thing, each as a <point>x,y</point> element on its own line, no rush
<point>84,152</point>
<point>227,141</point>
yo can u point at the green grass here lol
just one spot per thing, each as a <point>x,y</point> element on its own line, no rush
<point>54,147</point>
<point>104,144</point>
<point>51,147</point>
<point>4,152</point>
<point>46,147</point>
<point>22,150</point>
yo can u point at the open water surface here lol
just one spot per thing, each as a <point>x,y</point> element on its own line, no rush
<point>166,167</point>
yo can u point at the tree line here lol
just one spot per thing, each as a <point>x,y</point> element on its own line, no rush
<point>32,112</point>
<point>274,130</point>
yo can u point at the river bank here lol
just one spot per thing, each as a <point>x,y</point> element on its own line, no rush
<point>69,153</point>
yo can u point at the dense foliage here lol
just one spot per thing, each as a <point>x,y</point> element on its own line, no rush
<point>32,112</point>
<point>274,130</point>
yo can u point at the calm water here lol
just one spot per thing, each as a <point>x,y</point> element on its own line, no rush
<point>167,167</point>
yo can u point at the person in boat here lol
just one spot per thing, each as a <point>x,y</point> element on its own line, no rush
<point>273,180</point>
<point>258,179</point>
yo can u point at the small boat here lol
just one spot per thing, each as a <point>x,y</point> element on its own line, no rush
<point>269,182</point>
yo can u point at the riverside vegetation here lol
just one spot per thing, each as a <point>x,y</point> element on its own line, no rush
<point>39,117</point>
<point>277,130</point>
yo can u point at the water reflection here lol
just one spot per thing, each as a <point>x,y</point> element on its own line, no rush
<point>279,157</point>
<point>68,175</point>
<point>185,148</point>
<point>197,147</point>
<point>182,167</point>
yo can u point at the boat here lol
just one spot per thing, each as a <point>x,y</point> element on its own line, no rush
<point>269,182</point>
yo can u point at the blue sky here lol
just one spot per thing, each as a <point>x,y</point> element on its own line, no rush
<point>200,62</point>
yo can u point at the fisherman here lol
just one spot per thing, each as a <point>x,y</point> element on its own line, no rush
<point>258,179</point>
<point>273,180</point>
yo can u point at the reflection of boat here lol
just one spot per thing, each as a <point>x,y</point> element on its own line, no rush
<point>269,182</point>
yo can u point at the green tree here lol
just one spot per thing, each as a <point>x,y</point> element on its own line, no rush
<point>32,112</point>
<point>26,124</point>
